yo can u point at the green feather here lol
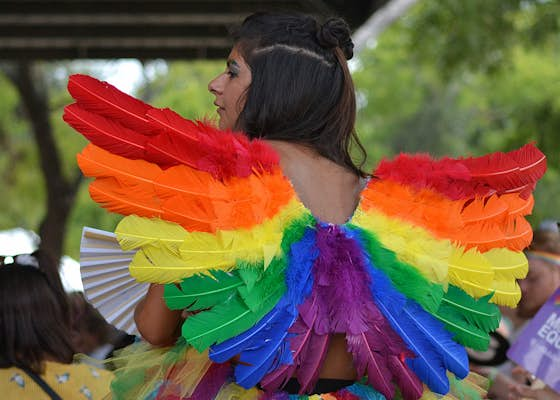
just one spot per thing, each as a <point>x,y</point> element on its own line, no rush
<point>257,294</point>
<point>405,277</point>
<point>200,292</point>
<point>468,319</point>
<point>224,321</point>
<point>465,389</point>
<point>273,278</point>
<point>478,312</point>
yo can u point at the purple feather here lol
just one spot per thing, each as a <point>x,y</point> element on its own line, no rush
<point>207,389</point>
<point>211,383</point>
<point>340,282</point>
<point>341,302</point>
<point>342,271</point>
<point>408,382</point>
<point>308,350</point>
<point>274,396</point>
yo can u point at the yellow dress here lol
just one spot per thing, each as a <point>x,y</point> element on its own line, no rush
<point>69,381</point>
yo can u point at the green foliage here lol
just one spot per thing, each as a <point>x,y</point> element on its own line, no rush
<point>184,88</point>
<point>452,77</point>
<point>23,195</point>
<point>458,78</point>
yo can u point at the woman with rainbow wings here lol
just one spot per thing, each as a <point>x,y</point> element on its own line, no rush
<point>298,276</point>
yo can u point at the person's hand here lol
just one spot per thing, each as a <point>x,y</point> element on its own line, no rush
<point>521,375</point>
<point>519,392</point>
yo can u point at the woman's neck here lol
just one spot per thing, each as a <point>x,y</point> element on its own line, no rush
<point>330,191</point>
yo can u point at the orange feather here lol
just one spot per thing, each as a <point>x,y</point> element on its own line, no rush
<point>484,223</point>
<point>192,198</point>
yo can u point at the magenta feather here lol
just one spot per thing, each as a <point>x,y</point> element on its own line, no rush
<point>211,383</point>
<point>408,382</point>
<point>308,350</point>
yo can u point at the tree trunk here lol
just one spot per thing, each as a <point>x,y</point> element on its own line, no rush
<point>61,192</point>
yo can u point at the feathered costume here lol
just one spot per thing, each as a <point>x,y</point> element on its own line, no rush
<point>410,279</point>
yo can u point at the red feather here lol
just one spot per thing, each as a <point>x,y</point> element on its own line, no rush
<point>513,172</point>
<point>106,133</point>
<point>104,99</point>
<point>223,154</point>
<point>447,176</point>
<point>165,119</point>
<point>116,121</point>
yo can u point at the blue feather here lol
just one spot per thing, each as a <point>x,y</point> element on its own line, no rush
<point>255,363</point>
<point>265,345</point>
<point>226,350</point>
<point>427,363</point>
<point>433,346</point>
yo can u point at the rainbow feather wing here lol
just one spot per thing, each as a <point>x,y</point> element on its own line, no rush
<point>205,208</point>
<point>430,247</point>
<point>447,235</point>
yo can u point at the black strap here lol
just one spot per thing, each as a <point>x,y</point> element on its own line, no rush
<point>44,385</point>
<point>322,385</point>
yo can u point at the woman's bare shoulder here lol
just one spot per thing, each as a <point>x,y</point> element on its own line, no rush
<point>330,191</point>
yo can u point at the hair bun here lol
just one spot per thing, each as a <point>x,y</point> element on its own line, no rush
<point>335,32</point>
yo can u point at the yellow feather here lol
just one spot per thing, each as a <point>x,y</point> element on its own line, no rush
<point>507,293</point>
<point>429,395</point>
<point>134,232</point>
<point>224,248</point>
<point>187,374</point>
<point>507,264</point>
<point>470,266</point>
<point>156,265</point>
<point>170,253</point>
<point>235,392</point>
<point>501,265</point>
<point>411,244</point>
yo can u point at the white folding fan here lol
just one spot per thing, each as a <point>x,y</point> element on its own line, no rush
<point>107,282</point>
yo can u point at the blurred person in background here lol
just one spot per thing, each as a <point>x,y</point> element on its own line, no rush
<point>542,279</point>
<point>91,333</point>
<point>36,349</point>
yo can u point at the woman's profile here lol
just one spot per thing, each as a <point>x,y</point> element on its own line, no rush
<point>278,267</point>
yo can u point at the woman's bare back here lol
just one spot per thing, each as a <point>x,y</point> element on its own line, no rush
<point>331,193</point>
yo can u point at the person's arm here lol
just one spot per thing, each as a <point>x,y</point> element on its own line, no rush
<point>156,323</point>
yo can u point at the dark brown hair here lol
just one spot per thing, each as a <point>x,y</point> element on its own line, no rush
<point>301,89</point>
<point>34,317</point>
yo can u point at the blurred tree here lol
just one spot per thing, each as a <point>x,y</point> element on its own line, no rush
<point>442,80</point>
<point>451,77</point>
<point>60,189</point>
<point>41,182</point>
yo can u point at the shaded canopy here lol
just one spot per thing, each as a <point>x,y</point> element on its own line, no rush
<point>144,29</point>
